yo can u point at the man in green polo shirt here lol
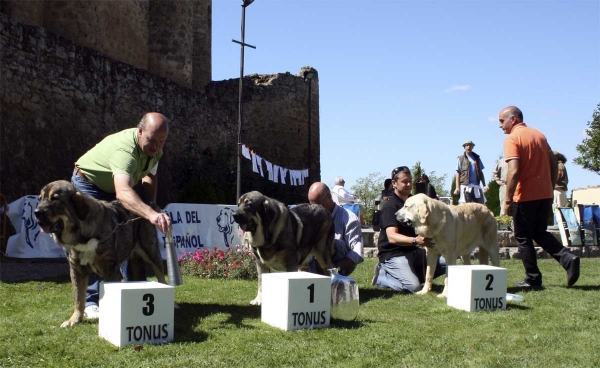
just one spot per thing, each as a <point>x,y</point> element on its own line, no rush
<point>113,167</point>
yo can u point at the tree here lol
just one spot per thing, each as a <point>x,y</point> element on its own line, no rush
<point>493,197</point>
<point>366,191</point>
<point>436,181</point>
<point>590,147</point>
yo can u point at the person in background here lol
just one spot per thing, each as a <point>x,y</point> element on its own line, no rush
<point>562,180</point>
<point>499,176</point>
<point>347,232</point>
<point>343,196</point>
<point>469,175</point>
<point>112,168</point>
<point>530,181</point>
<point>402,260</point>
<point>387,191</point>
<point>428,189</point>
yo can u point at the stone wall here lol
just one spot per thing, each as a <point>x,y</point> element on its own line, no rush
<point>170,38</point>
<point>58,99</point>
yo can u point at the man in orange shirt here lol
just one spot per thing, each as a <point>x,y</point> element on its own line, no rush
<point>532,173</point>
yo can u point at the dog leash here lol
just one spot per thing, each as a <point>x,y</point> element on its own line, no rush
<point>119,224</point>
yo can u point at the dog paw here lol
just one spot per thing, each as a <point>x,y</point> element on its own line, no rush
<point>256,302</point>
<point>68,323</point>
<point>422,292</point>
<point>442,296</point>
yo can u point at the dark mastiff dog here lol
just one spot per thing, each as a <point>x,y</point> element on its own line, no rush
<point>97,237</point>
<point>282,239</point>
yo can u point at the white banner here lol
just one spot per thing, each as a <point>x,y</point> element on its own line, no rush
<point>195,226</point>
<point>29,241</point>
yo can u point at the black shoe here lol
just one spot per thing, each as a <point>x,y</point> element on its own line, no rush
<point>527,285</point>
<point>376,273</point>
<point>573,271</point>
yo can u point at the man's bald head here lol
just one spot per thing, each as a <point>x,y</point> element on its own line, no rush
<point>319,193</point>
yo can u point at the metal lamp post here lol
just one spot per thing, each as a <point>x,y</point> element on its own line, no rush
<point>308,76</point>
<point>239,144</point>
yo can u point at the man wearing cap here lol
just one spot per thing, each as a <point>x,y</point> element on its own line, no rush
<point>469,173</point>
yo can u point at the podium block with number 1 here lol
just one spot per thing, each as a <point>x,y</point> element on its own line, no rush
<point>296,300</point>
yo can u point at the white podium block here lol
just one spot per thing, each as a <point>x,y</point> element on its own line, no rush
<point>136,312</point>
<point>477,287</point>
<point>296,300</point>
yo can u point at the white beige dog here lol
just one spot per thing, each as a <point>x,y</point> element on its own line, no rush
<point>455,230</point>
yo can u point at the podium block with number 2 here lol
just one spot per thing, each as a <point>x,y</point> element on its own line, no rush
<point>296,300</point>
<point>477,287</point>
<point>136,312</point>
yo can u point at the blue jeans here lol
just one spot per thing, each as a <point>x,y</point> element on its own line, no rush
<point>93,291</point>
<point>406,273</point>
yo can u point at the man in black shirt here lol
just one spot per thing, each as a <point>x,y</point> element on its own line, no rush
<point>402,259</point>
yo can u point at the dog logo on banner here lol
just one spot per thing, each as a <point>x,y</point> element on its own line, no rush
<point>31,226</point>
<point>226,224</point>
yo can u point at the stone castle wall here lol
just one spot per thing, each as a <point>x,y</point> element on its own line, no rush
<point>169,38</point>
<point>57,99</point>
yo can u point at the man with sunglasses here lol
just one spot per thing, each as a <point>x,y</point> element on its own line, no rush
<point>402,258</point>
<point>530,181</point>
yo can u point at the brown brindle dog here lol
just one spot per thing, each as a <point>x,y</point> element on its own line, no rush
<point>97,237</point>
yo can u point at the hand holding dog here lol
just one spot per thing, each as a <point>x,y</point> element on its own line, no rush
<point>423,242</point>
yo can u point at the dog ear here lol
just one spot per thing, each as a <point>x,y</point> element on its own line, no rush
<point>422,212</point>
<point>80,202</point>
<point>231,219</point>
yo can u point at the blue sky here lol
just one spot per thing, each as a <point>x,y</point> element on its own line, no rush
<point>405,81</point>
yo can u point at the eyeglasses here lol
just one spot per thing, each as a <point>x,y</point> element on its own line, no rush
<point>398,169</point>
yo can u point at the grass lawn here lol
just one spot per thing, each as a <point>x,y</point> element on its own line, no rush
<point>216,327</point>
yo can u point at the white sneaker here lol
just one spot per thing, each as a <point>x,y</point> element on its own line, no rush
<point>91,312</point>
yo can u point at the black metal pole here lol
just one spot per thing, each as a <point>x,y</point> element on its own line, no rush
<point>309,125</point>
<point>240,111</point>
<point>239,148</point>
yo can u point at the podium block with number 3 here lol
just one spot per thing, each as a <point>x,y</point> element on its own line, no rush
<point>136,312</point>
<point>477,287</point>
<point>296,300</point>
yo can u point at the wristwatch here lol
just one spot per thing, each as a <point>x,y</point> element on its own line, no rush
<point>414,241</point>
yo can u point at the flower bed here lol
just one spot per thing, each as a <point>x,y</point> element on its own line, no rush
<point>234,263</point>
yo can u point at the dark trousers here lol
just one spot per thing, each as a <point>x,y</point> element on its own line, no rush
<point>530,223</point>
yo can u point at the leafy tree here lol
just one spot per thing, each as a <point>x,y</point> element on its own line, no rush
<point>455,197</point>
<point>416,172</point>
<point>366,191</point>
<point>436,181</point>
<point>492,196</point>
<point>590,147</point>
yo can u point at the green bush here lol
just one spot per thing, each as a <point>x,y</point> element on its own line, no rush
<point>219,264</point>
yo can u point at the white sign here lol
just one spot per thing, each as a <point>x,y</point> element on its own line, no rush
<point>136,312</point>
<point>296,300</point>
<point>477,287</point>
<point>195,226</point>
<point>29,241</point>
<point>198,226</point>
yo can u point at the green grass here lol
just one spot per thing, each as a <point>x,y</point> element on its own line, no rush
<point>216,327</point>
